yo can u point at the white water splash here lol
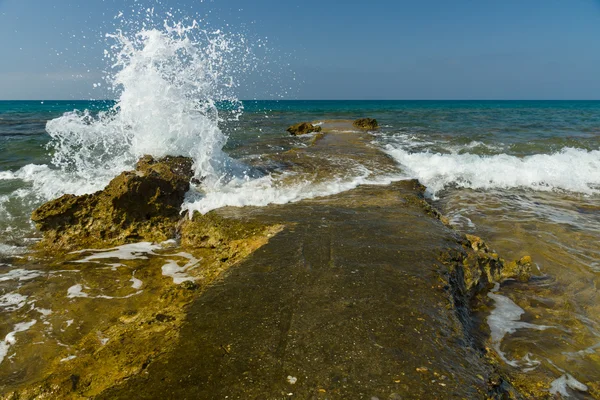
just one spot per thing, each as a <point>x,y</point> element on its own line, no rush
<point>570,169</point>
<point>168,78</point>
<point>169,81</point>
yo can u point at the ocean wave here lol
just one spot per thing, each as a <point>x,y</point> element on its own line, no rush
<point>571,169</point>
<point>168,78</point>
<point>271,190</point>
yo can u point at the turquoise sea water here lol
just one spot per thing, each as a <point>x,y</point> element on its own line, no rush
<point>452,128</point>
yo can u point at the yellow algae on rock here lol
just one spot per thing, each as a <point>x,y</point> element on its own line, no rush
<point>140,205</point>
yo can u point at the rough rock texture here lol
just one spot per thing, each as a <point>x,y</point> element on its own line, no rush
<point>368,124</point>
<point>230,239</point>
<point>303,128</point>
<point>136,205</point>
<point>479,269</point>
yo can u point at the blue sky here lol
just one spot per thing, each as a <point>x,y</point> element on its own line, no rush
<point>378,49</point>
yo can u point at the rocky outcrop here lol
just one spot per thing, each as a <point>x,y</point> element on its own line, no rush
<point>368,124</point>
<point>143,204</point>
<point>476,269</point>
<point>303,128</point>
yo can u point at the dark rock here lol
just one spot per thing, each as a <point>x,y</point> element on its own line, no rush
<point>368,124</point>
<point>303,128</point>
<point>477,268</point>
<point>136,205</point>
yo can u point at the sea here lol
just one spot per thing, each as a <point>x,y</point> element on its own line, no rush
<point>522,175</point>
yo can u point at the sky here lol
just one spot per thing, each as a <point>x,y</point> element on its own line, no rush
<point>326,49</point>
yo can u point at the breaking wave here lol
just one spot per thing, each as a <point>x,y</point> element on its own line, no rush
<point>169,81</point>
<point>571,169</point>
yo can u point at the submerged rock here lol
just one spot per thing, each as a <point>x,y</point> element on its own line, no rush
<point>368,124</point>
<point>303,128</point>
<point>136,205</point>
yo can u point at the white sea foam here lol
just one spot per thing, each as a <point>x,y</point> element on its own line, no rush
<point>48,183</point>
<point>560,385</point>
<point>10,339</point>
<point>570,169</point>
<point>505,319</point>
<point>179,274</point>
<point>20,275</point>
<point>131,251</point>
<point>269,190</point>
<point>76,291</point>
<point>135,283</point>
<point>11,249</point>
<point>12,301</point>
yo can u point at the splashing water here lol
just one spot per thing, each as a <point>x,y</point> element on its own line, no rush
<point>170,81</point>
<point>571,169</point>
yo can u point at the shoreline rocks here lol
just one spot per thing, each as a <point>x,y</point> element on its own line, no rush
<point>368,124</point>
<point>138,205</point>
<point>303,128</point>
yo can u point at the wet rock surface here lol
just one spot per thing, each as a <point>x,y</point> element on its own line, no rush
<point>364,294</point>
<point>351,300</point>
<point>478,270</point>
<point>114,338</point>
<point>303,128</point>
<point>136,205</point>
<point>368,124</point>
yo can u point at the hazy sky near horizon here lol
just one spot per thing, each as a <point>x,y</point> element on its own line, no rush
<point>378,49</point>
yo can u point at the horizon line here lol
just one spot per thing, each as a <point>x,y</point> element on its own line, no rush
<point>42,100</point>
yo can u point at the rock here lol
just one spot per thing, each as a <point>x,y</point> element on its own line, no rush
<point>477,268</point>
<point>230,239</point>
<point>519,269</point>
<point>303,128</point>
<point>368,124</point>
<point>476,243</point>
<point>136,205</point>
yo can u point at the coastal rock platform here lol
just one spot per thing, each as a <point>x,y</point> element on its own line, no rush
<point>350,300</point>
<point>362,294</point>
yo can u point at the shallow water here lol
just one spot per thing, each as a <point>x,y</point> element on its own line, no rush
<point>49,309</point>
<point>560,232</point>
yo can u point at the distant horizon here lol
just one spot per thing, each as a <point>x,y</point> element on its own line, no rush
<point>67,100</point>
